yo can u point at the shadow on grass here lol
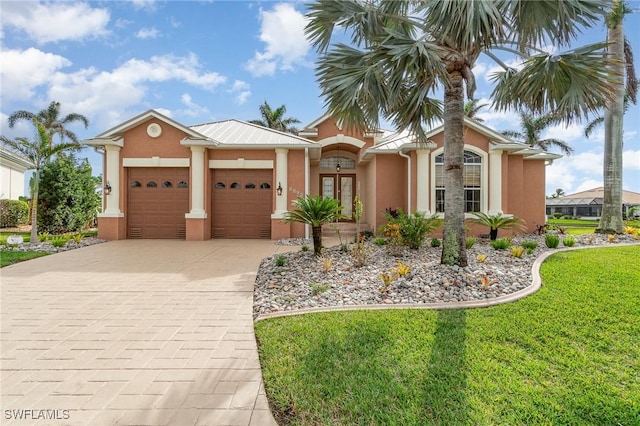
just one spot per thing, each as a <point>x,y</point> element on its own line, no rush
<point>446,378</point>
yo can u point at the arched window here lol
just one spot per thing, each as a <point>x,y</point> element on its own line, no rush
<point>471,178</point>
<point>152,184</point>
<point>250,185</point>
<point>136,184</point>
<point>235,185</point>
<point>183,184</point>
<point>332,162</point>
<point>265,185</point>
<point>220,185</point>
<point>167,184</point>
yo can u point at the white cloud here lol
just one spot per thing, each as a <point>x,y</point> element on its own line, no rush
<point>148,33</point>
<point>588,184</point>
<point>149,5</point>
<point>282,31</point>
<point>56,21</point>
<point>631,160</point>
<point>242,97</point>
<point>23,71</point>
<point>241,90</point>
<point>567,133</point>
<point>193,109</point>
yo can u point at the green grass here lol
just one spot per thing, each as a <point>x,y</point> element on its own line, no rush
<point>565,355</point>
<point>11,257</point>
<point>573,222</point>
<point>26,236</point>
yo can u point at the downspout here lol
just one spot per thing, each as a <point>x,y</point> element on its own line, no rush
<point>306,185</point>
<point>402,154</point>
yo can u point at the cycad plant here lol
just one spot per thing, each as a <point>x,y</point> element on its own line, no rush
<point>497,221</point>
<point>315,211</point>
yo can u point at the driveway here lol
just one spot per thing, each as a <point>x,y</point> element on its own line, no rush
<point>137,332</point>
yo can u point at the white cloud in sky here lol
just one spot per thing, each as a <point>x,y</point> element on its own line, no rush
<point>149,5</point>
<point>148,33</point>
<point>56,21</point>
<point>588,184</point>
<point>241,90</point>
<point>193,109</point>
<point>568,133</point>
<point>282,30</point>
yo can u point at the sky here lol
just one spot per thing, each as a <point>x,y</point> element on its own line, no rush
<point>204,61</point>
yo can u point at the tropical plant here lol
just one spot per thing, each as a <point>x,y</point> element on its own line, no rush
<point>314,211</point>
<point>281,260</point>
<point>501,244</point>
<point>496,221</point>
<point>517,251</point>
<point>528,244</point>
<point>611,220</point>
<point>39,152</point>
<point>402,51</point>
<point>13,213</point>
<point>531,128</point>
<point>50,119</point>
<point>559,193</point>
<point>414,227</point>
<point>471,241</point>
<point>551,240</point>
<point>569,242</point>
<point>472,108</point>
<point>275,119</point>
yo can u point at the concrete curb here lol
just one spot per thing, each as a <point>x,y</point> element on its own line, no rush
<point>535,285</point>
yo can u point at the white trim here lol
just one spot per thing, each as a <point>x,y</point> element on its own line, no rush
<point>155,162</point>
<point>340,138</point>
<point>195,215</point>
<point>105,214</point>
<point>495,182</point>
<point>241,163</point>
<point>282,173</point>
<point>197,183</point>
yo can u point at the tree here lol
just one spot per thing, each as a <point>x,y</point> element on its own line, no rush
<point>402,51</point>
<point>50,118</point>
<point>472,108</point>
<point>274,119</point>
<point>39,151</point>
<point>531,128</point>
<point>68,198</point>
<point>559,193</point>
<point>611,220</point>
<point>315,211</point>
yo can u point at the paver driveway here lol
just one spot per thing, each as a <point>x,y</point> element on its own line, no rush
<point>144,332</point>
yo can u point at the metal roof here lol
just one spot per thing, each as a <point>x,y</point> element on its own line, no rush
<point>592,196</point>
<point>239,133</point>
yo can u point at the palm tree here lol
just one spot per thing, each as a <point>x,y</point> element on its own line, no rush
<point>39,152</point>
<point>559,193</point>
<point>471,109</point>
<point>402,51</point>
<point>50,118</point>
<point>315,212</point>
<point>532,127</point>
<point>274,119</point>
<point>611,220</point>
<point>496,221</point>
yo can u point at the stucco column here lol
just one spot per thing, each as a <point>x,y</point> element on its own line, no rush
<point>281,179</point>
<point>197,183</point>
<point>422,177</point>
<point>113,177</point>
<point>495,181</point>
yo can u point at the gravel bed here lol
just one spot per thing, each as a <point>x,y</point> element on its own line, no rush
<point>48,248</point>
<point>302,283</point>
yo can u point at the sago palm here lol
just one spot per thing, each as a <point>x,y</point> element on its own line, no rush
<point>315,211</point>
<point>496,221</point>
<point>401,52</point>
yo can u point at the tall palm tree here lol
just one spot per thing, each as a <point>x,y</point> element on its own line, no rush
<point>50,118</point>
<point>275,119</point>
<point>472,108</point>
<point>39,152</point>
<point>611,220</point>
<point>402,51</point>
<point>531,127</point>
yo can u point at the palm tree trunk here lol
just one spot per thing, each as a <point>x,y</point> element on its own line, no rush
<point>34,207</point>
<point>317,239</point>
<point>454,251</point>
<point>611,219</point>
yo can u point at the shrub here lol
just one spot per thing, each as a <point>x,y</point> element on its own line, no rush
<point>501,244</point>
<point>517,251</point>
<point>44,236</point>
<point>530,251</point>
<point>551,240</point>
<point>557,215</point>
<point>360,252</point>
<point>387,279</point>
<point>414,227</point>
<point>379,241</point>
<point>530,245</point>
<point>59,240</point>
<point>77,237</point>
<point>326,264</point>
<point>435,242</point>
<point>481,257</point>
<point>569,242</point>
<point>13,213</point>
<point>496,221</point>
<point>305,248</point>
<point>281,260</point>
<point>402,269</point>
<point>470,242</point>
<point>317,289</point>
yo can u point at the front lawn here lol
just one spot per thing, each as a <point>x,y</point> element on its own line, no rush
<point>10,257</point>
<point>565,355</point>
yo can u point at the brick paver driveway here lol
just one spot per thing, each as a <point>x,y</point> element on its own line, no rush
<point>146,332</point>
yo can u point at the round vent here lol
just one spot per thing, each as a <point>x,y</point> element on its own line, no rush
<point>154,130</point>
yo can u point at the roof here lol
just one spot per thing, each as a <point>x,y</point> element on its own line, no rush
<point>10,158</point>
<point>591,196</point>
<point>141,118</point>
<point>238,133</point>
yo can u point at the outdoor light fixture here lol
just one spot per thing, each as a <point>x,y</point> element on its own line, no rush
<point>338,157</point>
<point>107,188</point>
<point>279,189</point>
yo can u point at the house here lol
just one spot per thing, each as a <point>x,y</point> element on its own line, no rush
<point>233,179</point>
<point>588,204</point>
<point>12,168</point>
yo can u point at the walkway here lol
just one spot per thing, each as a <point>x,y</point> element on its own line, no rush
<point>146,332</point>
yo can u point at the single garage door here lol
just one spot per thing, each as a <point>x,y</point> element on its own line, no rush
<point>157,200</point>
<point>242,203</point>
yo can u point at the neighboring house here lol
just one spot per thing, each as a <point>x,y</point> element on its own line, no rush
<point>12,168</point>
<point>233,179</point>
<point>588,204</point>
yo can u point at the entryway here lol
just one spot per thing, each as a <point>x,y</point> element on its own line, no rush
<point>340,187</point>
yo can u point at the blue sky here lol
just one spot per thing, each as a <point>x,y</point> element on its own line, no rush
<point>202,61</point>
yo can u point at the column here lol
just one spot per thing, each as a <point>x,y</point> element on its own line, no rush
<point>422,177</point>
<point>113,177</point>
<point>197,183</point>
<point>495,181</point>
<point>281,179</point>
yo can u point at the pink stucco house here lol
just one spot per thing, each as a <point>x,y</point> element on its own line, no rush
<point>232,179</point>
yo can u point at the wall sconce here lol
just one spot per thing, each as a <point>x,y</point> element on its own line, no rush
<point>107,188</point>
<point>279,189</point>
<point>338,157</point>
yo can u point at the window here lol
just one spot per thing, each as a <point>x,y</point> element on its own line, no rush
<point>183,184</point>
<point>220,185</point>
<point>235,185</point>
<point>152,184</point>
<point>136,184</point>
<point>471,178</point>
<point>167,184</point>
<point>332,162</point>
<point>250,185</point>
<point>265,185</point>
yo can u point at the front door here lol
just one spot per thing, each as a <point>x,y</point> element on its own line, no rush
<point>339,187</point>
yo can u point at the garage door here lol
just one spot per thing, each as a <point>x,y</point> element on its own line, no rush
<point>158,199</point>
<point>242,203</point>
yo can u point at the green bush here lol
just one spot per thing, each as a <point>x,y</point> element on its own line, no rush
<point>380,241</point>
<point>557,215</point>
<point>470,242</point>
<point>501,244</point>
<point>569,242</point>
<point>530,245</point>
<point>281,260</point>
<point>13,213</point>
<point>551,240</point>
<point>414,227</point>
<point>59,240</point>
<point>435,242</point>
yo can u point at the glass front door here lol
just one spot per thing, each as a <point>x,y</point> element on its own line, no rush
<point>341,188</point>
